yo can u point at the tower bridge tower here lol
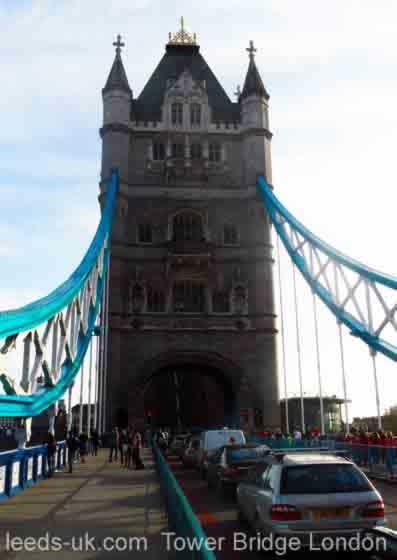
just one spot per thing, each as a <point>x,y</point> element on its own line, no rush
<point>192,336</point>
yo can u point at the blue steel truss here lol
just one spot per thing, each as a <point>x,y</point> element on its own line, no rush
<point>361,298</point>
<point>67,316</point>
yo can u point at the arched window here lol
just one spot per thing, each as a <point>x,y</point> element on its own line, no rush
<point>177,113</point>
<point>189,296</point>
<point>158,151</point>
<point>195,113</point>
<point>215,151</point>
<point>230,235</point>
<point>155,300</point>
<point>195,151</point>
<point>187,226</point>
<point>178,150</point>
<point>145,233</point>
<point>221,302</point>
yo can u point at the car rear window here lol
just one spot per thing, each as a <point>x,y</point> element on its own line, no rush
<point>323,479</point>
<point>246,454</point>
<point>217,439</point>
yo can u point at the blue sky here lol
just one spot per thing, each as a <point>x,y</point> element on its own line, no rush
<point>330,69</point>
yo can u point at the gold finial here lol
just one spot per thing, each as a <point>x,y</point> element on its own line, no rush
<point>118,44</point>
<point>251,50</point>
<point>182,37</point>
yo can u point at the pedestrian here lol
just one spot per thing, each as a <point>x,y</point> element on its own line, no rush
<point>114,442</point>
<point>130,440</point>
<point>51,449</point>
<point>94,442</point>
<point>136,451</point>
<point>71,443</point>
<point>121,445</point>
<point>83,439</point>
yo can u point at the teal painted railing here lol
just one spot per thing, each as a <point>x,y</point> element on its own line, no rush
<point>181,517</point>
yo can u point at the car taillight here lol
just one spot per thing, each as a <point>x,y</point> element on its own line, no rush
<point>374,509</point>
<point>230,471</point>
<point>284,512</point>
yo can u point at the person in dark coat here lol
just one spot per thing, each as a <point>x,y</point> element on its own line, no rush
<point>71,444</point>
<point>51,450</point>
<point>94,442</point>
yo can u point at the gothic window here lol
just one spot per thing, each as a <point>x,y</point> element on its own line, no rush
<point>221,302</point>
<point>187,226</point>
<point>195,113</point>
<point>215,151</point>
<point>230,235</point>
<point>189,296</point>
<point>195,151</point>
<point>145,233</point>
<point>177,113</point>
<point>177,150</point>
<point>155,300</point>
<point>158,151</point>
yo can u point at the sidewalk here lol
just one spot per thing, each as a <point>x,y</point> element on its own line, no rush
<point>78,511</point>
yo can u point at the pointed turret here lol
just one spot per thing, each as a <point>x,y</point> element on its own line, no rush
<point>117,77</point>
<point>117,97</point>
<point>254,102</point>
<point>253,84</point>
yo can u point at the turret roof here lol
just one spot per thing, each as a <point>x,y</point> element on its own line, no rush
<point>253,84</point>
<point>177,59</point>
<point>117,77</point>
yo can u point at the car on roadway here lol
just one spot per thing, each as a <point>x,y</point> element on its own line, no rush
<point>178,444</point>
<point>309,496</point>
<point>230,465</point>
<point>211,440</point>
<point>189,456</point>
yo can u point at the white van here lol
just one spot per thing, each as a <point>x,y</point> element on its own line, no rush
<point>214,439</point>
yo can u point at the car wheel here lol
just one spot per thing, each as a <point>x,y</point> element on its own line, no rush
<point>241,519</point>
<point>220,488</point>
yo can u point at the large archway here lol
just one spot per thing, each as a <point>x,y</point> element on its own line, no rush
<point>186,396</point>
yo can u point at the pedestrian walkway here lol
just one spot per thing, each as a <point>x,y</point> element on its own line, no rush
<point>99,510</point>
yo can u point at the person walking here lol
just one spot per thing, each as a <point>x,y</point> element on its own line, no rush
<point>130,439</point>
<point>136,451</point>
<point>114,444</point>
<point>51,449</point>
<point>83,439</point>
<point>94,442</point>
<point>71,444</point>
<point>121,444</point>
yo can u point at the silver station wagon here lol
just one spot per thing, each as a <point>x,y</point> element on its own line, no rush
<point>309,496</point>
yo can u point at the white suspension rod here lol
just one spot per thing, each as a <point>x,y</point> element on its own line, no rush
<point>69,413</point>
<point>105,369</point>
<point>89,389</point>
<point>81,397</point>
<point>96,381</point>
<point>298,347</point>
<point>320,388</point>
<point>282,333</point>
<point>373,355</point>
<point>342,361</point>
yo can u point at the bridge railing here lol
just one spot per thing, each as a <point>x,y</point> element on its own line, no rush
<point>373,457</point>
<point>21,468</point>
<point>181,517</point>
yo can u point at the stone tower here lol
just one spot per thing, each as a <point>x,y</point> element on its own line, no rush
<point>191,310</point>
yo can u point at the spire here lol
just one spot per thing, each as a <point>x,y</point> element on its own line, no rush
<point>253,84</point>
<point>117,78</point>
<point>182,37</point>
